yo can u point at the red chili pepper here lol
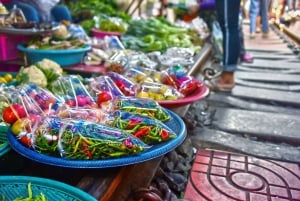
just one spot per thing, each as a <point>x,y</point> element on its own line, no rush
<point>142,132</point>
<point>133,122</point>
<point>86,150</point>
<point>164,134</point>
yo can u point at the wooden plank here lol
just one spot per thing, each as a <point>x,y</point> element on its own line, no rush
<point>272,64</point>
<point>269,70</point>
<point>230,101</point>
<point>214,139</point>
<point>264,125</point>
<point>273,86</point>
<point>268,77</point>
<point>131,178</point>
<point>267,95</point>
<point>274,56</point>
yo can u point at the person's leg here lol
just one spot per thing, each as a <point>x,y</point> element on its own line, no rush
<point>29,11</point>
<point>264,4</point>
<point>228,17</point>
<point>60,12</point>
<point>258,24</point>
<point>254,10</point>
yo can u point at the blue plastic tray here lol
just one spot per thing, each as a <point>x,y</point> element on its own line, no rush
<point>176,124</point>
<point>12,187</point>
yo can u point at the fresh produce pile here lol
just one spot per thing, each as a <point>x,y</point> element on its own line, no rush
<point>157,34</point>
<point>84,11</point>
<point>42,73</point>
<point>171,84</point>
<point>109,116</point>
<point>71,123</point>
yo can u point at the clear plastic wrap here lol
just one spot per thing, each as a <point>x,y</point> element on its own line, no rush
<point>117,62</point>
<point>88,114</point>
<point>105,91</point>
<point>156,76</point>
<point>142,106</point>
<point>110,24</point>
<point>128,87</point>
<point>83,140</point>
<point>39,100</point>
<point>8,95</point>
<point>150,131</point>
<point>177,78</point>
<point>158,91</point>
<point>137,76</point>
<point>104,83</point>
<point>71,91</point>
<point>137,58</point>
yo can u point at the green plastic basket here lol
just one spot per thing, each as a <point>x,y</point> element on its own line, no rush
<point>12,187</point>
<point>4,145</point>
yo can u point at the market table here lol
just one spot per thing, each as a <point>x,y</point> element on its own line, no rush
<point>112,183</point>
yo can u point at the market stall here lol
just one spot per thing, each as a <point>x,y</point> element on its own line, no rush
<point>105,131</point>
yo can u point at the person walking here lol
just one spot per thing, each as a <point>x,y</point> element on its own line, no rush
<point>228,17</point>
<point>259,8</point>
<point>228,12</point>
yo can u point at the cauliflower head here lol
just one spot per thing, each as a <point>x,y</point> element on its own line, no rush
<point>49,64</point>
<point>35,75</point>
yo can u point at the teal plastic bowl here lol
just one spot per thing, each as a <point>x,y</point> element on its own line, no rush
<point>4,145</point>
<point>62,57</point>
<point>12,187</point>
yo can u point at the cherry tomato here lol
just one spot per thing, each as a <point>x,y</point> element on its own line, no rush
<point>70,102</point>
<point>103,97</point>
<point>13,112</point>
<point>26,140</point>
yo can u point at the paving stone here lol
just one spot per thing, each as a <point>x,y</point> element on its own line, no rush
<point>223,176</point>
<point>269,126</point>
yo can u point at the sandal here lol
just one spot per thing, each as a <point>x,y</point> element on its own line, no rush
<point>214,85</point>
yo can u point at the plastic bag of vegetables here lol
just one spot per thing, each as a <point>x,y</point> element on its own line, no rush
<point>83,140</point>
<point>150,131</point>
<point>142,106</point>
<point>39,100</point>
<point>89,114</point>
<point>70,90</point>
<point>105,91</point>
<point>128,87</point>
